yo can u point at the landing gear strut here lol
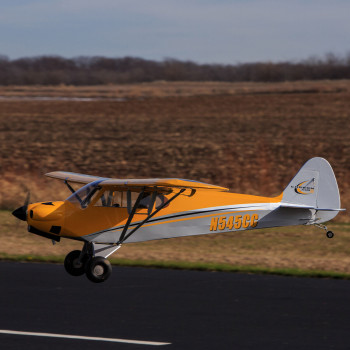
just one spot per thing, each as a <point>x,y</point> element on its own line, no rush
<point>329,234</point>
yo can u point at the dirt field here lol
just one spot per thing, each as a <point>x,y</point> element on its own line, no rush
<point>250,142</point>
<point>251,138</point>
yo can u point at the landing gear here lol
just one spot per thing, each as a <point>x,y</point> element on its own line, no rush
<point>73,264</point>
<point>329,234</point>
<point>98,269</point>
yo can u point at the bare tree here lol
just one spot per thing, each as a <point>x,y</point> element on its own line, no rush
<point>95,70</point>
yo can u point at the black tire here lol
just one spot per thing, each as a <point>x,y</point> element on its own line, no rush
<point>72,265</point>
<point>330,234</point>
<point>98,269</point>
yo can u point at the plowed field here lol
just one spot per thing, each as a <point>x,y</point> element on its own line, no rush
<point>251,138</point>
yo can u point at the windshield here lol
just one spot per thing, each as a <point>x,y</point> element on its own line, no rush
<point>83,196</point>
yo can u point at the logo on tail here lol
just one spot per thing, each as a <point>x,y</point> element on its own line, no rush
<point>305,187</point>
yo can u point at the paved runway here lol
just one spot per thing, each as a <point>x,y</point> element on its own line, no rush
<point>189,309</point>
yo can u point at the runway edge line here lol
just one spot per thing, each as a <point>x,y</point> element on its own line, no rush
<point>80,337</point>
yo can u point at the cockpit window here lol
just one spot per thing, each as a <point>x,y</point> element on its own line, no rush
<point>119,199</point>
<point>112,199</point>
<point>83,197</point>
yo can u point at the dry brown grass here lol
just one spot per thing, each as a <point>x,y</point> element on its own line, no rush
<point>180,89</point>
<point>300,247</point>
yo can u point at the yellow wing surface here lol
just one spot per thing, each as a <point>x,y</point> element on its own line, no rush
<point>134,183</point>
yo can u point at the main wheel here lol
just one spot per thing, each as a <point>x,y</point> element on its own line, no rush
<point>330,234</point>
<point>98,269</point>
<point>72,264</point>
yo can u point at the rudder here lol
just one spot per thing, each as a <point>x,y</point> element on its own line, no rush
<point>314,186</point>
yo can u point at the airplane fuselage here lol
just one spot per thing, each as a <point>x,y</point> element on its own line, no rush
<point>203,213</point>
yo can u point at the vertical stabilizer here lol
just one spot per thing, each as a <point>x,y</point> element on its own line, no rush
<point>315,186</point>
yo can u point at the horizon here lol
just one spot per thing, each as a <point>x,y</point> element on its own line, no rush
<point>306,60</point>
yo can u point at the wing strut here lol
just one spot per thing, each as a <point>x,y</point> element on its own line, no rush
<point>69,186</point>
<point>73,191</point>
<point>131,215</point>
<point>125,236</point>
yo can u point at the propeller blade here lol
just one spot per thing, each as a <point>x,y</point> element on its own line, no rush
<point>27,199</point>
<point>21,212</point>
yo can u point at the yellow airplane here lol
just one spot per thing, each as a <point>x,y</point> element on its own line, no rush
<point>105,213</point>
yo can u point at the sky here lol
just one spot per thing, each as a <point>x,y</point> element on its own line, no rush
<point>203,31</point>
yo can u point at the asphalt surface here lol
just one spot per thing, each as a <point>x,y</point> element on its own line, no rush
<point>189,309</point>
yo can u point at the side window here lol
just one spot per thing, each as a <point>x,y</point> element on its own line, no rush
<point>145,201</point>
<point>101,201</point>
<point>111,199</point>
<point>160,200</point>
<point>134,196</point>
<point>119,199</point>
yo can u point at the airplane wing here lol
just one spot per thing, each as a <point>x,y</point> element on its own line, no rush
<point>169,183</point>
<point>134,183</point>
<point>74,177</point>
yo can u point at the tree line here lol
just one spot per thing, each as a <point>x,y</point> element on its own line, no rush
<point>55,70</point>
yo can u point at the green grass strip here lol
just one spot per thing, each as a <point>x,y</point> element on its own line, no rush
<point>196,266</point>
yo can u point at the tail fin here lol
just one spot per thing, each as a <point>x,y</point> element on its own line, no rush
<point>314,187</point>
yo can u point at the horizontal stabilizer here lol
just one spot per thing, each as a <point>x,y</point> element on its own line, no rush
<point>301,206</point>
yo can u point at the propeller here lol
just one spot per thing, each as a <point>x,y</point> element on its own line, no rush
<point>21,212</point>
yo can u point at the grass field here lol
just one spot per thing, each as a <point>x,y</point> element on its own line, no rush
<point>299,248</point>
<point>251,138</point>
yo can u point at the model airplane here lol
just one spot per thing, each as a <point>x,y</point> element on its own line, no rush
<point>105,212</point>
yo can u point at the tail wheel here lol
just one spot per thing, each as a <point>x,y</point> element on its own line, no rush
<point>72,264</point>
<point>98,269</point>
<point>330,234</point>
